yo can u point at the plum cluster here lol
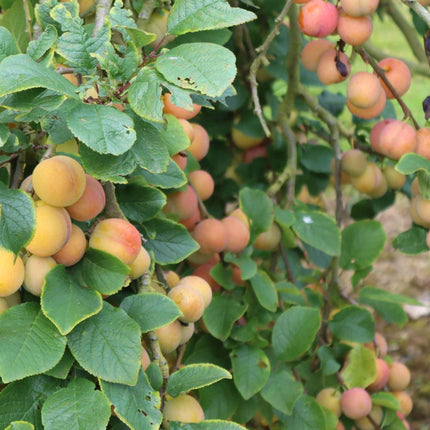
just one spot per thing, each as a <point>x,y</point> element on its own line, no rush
<point>356,403</point>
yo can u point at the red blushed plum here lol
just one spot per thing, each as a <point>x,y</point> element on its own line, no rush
<point>183,203</point>
<point>179,112</point>
<point>73,250</point>
<point>211,235</point>
<point>200,143</point>
<point>203,271</point>
<point>354,30</point>
<point>382,375</point>
<point>200,285</point>
<point>333,67</point>
<point>253,153</point>
<point>237,234</point>
<point>59,181</point>
<point>368,113</point>
<point>356,403</point>
<point>180,159</point>
<point>91,203</point>
<point>202,183</point>
<point>396,139</point>
<point>360,7</point>
<point>313,51</point>
<point>376,131</point>
<point>117,237</point>
<point>318,18</point>
<point>398,74</point>
<point>191,222</point>
<point>423,143</point>
<point>363,90</point>
<point>189,301</point>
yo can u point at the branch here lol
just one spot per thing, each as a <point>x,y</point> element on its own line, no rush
<point>381,73</point>
<point>147,9</point>
<point>18,171</point>
<point>102,9</point>
<point>420,10</point>
<point>112,207</point>
<point>407,29</point>
<point>28,19</point>
<point>262,59</point>
<point>379,54</point>
<point>287,265</point>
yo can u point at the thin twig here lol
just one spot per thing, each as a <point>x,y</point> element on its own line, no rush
<point>180,356</point>
<point>28,20</point>
<point>381,73</point>
<point>159,273</point>
<point>112,208</point>
<point>18,172</point>
<point>287,265</point>
<point>262,59</point>
<point>407,29</point>
<point>420,10</point>
<point>102,9</point>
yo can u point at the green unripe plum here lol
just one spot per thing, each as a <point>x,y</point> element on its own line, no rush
<point>11,272</point>
<point>184,408</point>
<point>354,162</point>
<point>244,141</point>
<point>36,269</point>
<point>269,240</point>
<point>377,414</point>
<point>330,399</point>
<point>395,180</point>
<point>59,181</point>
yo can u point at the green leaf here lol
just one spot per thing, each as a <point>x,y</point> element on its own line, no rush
<point>102,272</point>
<point>207,425</point>
<point>248,267</point>
<point>104,129</point>
<point>221,314</point>
<point>307,415</point>
<point>17,219</point>
<point>411,163</point>
<point>258,208</point>
<point>7,44</point>
<point>196,15</point>
<point>137,406</point>
<point>285,218</point>
<point>251,369</point>
<point>37,48</point>
<point>64,300</point>
<point>144,95</point>
<point>223,275</point>
<point>316,158</point>
<point>295,331</point>
<point>20,425</point>
<point>360,370</point>
<point>318,230</point>
<point>202,67</point>
<point>29,342</point>
<point>79,406</point>
<point>353,323</point>
<point>386,400</point>
<point>329,364</point>
<point>219,400</point>
<point>14,20</point>
<point>411,242</point>
<point>151,150</point>
<point>22,400</point>
<point>106,167</point>
<point>282,391</point>
<point>172,242</point>
<point>107,345</point>
<point>62,368</point>
<point>362,242</point>
<point>173,177</point>
<point>265,291</point>
<point>195,376</point>
<point>20,72</point>
<point>150,310</point>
